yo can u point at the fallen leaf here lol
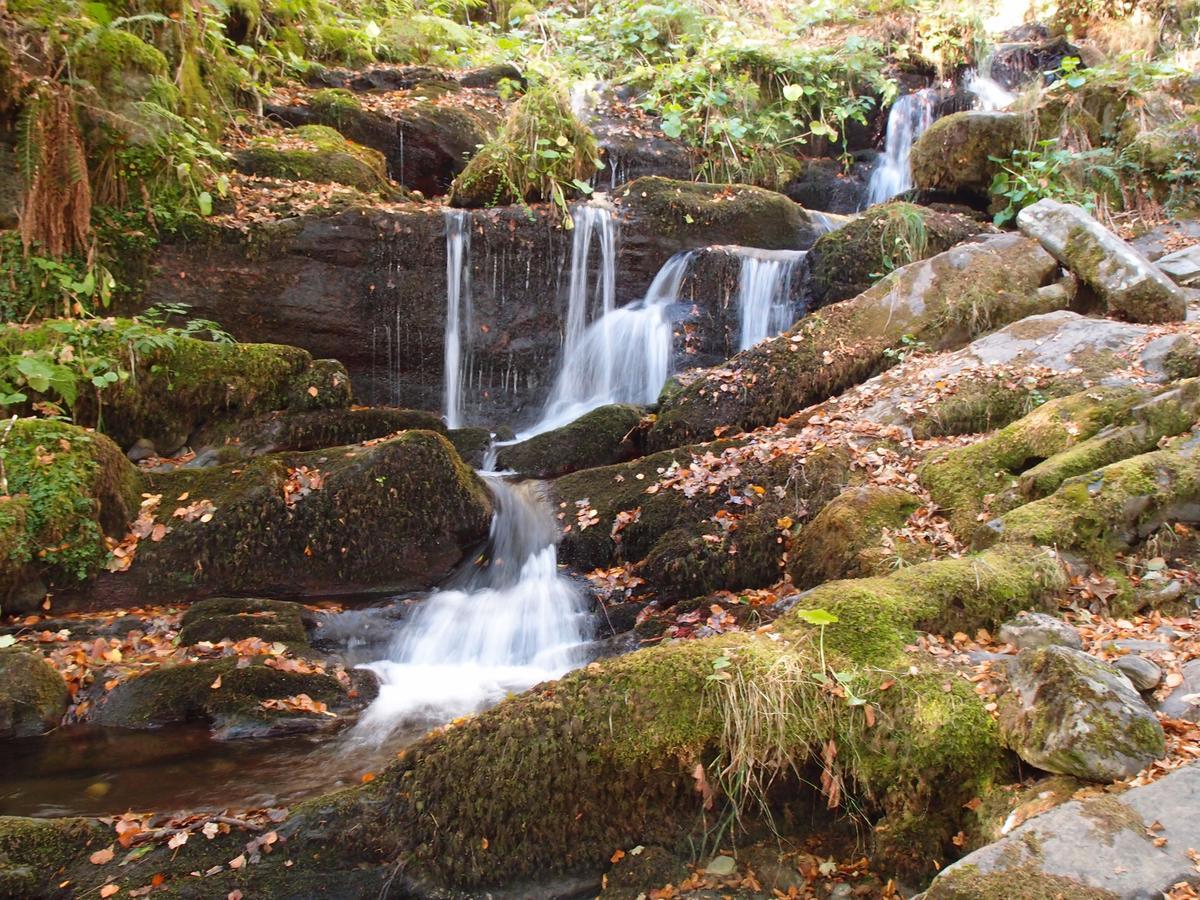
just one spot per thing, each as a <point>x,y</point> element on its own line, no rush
<point>100,857</point>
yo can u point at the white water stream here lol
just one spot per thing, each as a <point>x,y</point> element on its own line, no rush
<point>907,121</point>
<point>458,311</point>
<point>765,293</point>
<point>501,627</point>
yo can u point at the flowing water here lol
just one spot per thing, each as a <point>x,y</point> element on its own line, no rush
<point>910,116</point>
<point>506,624</point>
<point>765,290</point>
<point>989,94</point>
<point>458,311</point>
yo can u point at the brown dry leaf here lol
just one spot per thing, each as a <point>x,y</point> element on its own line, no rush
<point>101,857</point>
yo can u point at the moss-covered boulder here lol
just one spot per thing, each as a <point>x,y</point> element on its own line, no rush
<point>236,618</point>
<point>165,385</point>
<point>845,262</point>
<point>942,302</point>
<point>33,696</point>
<point>599,438</point>
<point>846,538</point>
<point>236,699</point>
<point>686,215</point>
<point>391,516</point>
<point>312,430</point>
<point>66,490</point>
<point>472,444</point>
<point>1131,286</point>
<point>953,157</point>
<point>315,153</point>
<point>33,852</point>
<point>1071,714</point>
<point>119,64</point>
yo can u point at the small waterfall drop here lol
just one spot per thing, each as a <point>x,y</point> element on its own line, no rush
<point>458,311</point>
<point>622,357</point>
<point>503,626</point>
<point>592,222</point>
<point>989,94</point>
<point>765,293</point>
<point>910,116</point>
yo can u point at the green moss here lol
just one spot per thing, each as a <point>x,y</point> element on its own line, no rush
<point>1019,883</point>
<point>176,383</point>
<point>601,437</point>
<point>313,430</point>
<point>978,479</point>
<point>67,489</point>
<point>33,696</point>
<point>34,851</point>
<point>234,619</point>
<point>112,60</point>
<point>953,156</point>
<point>316,153</point>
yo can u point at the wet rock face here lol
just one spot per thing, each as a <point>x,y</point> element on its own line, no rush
<point>1072,714</point>
<point>1095,849</point>
<point>1131,286</point>
<point>33,696</point>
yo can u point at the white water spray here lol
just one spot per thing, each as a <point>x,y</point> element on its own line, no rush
<point>765,293</point>
<point>622,357</point>
<point>989,94</point>
<point>910,116</point>
<point>458,310</point>
<point>504,626</point>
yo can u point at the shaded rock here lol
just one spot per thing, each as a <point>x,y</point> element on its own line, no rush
<point>279,431</point>
<point>1144,674</point>
<point>425,144</point>
<point>1014,64</point>
<point>953,156</point>
<point>944,301</point>
<point>1034,630</point>
<point>599,438</point>
<point>845,262</point>
<point>472,444</point>
<point>823,184</point>
<point>844,540</point>
<point>1069,713</point>
<point>393,516</point>
<point>1160,240</point>
<point>1129,284</point>
<point>33,852</point>
<point>33,696</point>
<point>315,153</point>
<point>1184,701</point>
<point>1099,848</point>
<point>10,185</point>
<point>231,698</point>
<point>1182,266</point>
<point>231,618</point>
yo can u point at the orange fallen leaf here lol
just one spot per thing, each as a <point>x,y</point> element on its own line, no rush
<point>100,857</point>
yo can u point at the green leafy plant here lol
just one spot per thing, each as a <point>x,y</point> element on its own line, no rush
<point>1048,170</point>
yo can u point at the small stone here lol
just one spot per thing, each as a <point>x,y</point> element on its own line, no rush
<point>721,866</point>
<point>1144,674</point>
<point>1184,701</point>
<point>1034,630</point>
<point>142,449</point>
<point>1183,266</point>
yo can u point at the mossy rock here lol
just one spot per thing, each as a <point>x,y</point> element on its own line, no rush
<point>177,384</point>
<point>599,438</point>
<point>278,431</point>
<point>68,489</point>
<point>33,696</point>
<point>316,153</point>
<point>845,539</point>
<point>845,262</point>
<point>230,697</point>
<point>234,618</point>
<point>689,215</point>
<point>943,302</point>
<point>953,156</point>
<point>119,64</point>
<point>393,516</point>
<point>472,444</point>
<point>33,852</point>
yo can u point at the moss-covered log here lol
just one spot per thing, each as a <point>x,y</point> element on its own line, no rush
<point>943,302</point>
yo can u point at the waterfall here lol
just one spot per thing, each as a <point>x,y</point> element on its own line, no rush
<point>908,119</point>
<point>622,357</point>
<point>458,311</point>
<point>500,627</point>
<point>989,94</point>
<point>765,293</point>
<point>592,222</point>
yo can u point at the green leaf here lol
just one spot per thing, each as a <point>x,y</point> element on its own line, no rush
<point>793,92</point>
<point>205,201</point>
<point>817,616</point>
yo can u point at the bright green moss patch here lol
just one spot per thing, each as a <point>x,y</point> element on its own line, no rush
<point>316,153</point>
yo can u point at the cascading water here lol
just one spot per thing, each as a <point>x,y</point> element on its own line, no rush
<point>989,94</point>
<point>764,293</point>
<point>622,357</point>
<point>504,626</point>
<point>910,116</point>
<point>458,310</point>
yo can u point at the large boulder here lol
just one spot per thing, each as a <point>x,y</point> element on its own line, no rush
<point>33,696</point>
<point>315,153</point>
<point>1069,713</point>
<point>1131,286</point>
<point>1129,846</point>
<point>391,516</point>
<point>599,438</point>
<point>954,156</point>
<point>67,490</point>
<point>845,262</point>
<point>942,303</point>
